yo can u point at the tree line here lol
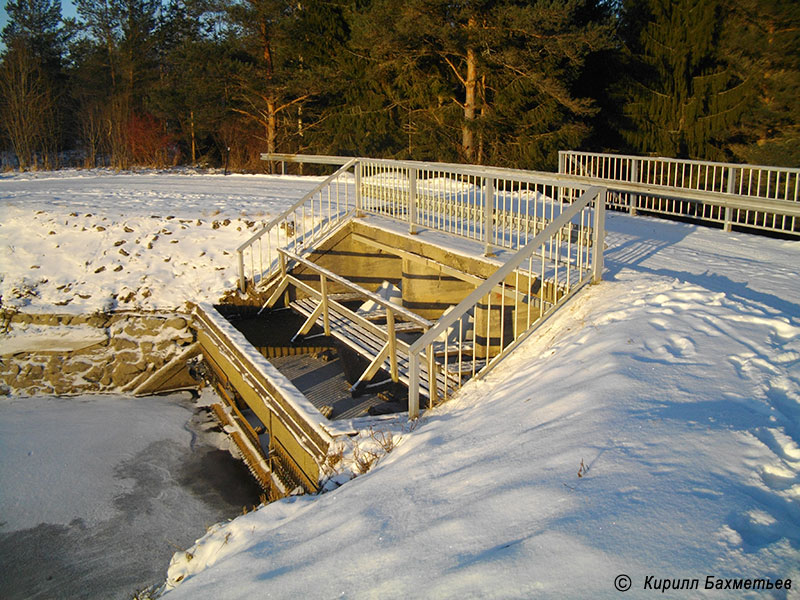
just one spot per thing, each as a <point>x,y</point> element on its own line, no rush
<point>500,82</point>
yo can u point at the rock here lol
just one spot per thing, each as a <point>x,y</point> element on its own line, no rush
<point>176,323</point>
<point>126,356</point>
<point>185,339</point>
<point>123,373</point>
<point>163,345</point>
<point>94,374</point>
<point>153,324</point>
<point>76,366</point>
<point>134,330</point>
<point>124,344</point>
<point>97,320</point>
<point>53,366</point>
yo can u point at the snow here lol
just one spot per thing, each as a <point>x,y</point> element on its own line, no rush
<point>37,461</point>
<point>49,339</point>
<point>80,241</point>
<point>672,388</point>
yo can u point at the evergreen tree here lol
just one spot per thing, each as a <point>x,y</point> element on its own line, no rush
<point>190,95</point>
<point>487,81</point>
<point>38,24</point>
<point>762,42</point>
<point>683,99</point>
<point>257,65</point>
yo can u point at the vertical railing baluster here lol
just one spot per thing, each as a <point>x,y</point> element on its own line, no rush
<point>412,200</point>
<point>488,206</point>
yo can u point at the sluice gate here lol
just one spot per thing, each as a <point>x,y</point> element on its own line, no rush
<point>399,282</point>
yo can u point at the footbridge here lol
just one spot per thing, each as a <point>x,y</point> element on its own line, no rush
<point>392,283</point>
<point>416,277</point>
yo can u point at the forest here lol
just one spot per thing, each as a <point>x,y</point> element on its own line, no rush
<point>212,83</point>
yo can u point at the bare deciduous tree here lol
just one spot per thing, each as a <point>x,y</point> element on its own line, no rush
<point>27,107</point>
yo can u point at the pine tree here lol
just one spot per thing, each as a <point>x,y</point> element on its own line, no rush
<point>119,43</point>
<point>684,99</point>
<point>762,42</point>
<point>487,81</point>
<point>38,23</point>
<point>189,94</point>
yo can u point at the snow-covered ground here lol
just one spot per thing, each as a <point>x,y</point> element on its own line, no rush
<point>80,241</point>
<point>651,429</point>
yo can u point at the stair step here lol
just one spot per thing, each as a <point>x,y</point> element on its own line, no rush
<point>369,345</point>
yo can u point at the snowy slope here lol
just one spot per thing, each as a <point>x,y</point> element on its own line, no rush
<point>80,241</point>
<point>673,387</point>
<point>675,383</point>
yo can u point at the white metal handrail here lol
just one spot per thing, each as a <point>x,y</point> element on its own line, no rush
<point>554,223</point>
<point>311,218</point>
<point>562,267</point>
<point>364,293</point>
<point>503,208</point>
<point>751,196</point>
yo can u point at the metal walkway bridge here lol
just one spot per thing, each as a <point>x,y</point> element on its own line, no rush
<point>481,257</point>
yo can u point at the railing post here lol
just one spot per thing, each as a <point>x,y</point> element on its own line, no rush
<point>242,279</point>
<point>357,173</point>
<point>413,385</point>
<point>633,199</point>
<point>731,190</point>
<point>488,211</point>
<point>323,288</point>
<point>433,392</point>
<point>392,344</point>
<point>599,235</point>
<point>412,200</point>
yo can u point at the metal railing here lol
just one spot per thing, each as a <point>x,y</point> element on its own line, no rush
<point>749,196</point>
<point>310,219</point>
<point>502,208</point>
<point>513,301</point>
<point>387,347</point>
<point>311,159</point>
<point>554,224</point>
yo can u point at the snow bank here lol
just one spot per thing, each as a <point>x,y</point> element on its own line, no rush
<point>81,241</point>
<point>651,429</point>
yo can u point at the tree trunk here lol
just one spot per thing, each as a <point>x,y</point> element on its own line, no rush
<point>272,126</point>
<point>470,105</point>
<point>194,145</point>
